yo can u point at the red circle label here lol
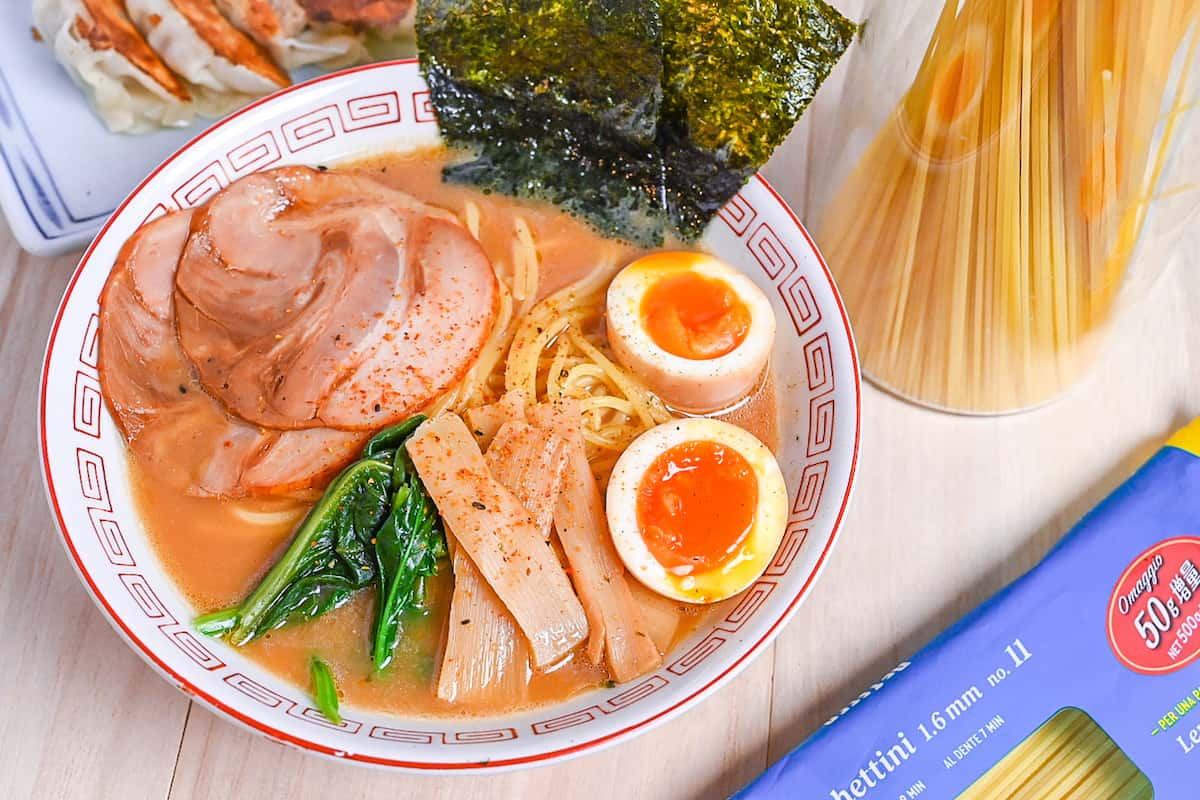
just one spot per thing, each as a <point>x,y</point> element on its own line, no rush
<point>1154,611</point>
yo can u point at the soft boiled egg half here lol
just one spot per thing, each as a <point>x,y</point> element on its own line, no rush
<point>697,508</point>
<point>696,330</point>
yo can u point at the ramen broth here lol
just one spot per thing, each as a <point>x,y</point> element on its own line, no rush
<point>217,550</point>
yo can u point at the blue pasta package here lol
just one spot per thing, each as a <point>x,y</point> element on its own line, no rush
<point>1079,681</point>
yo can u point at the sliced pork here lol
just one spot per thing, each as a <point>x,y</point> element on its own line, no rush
<point>158,404</point>
<point>311,300</point>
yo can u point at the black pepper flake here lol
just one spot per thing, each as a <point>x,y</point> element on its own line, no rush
<point>610,684</point>
<point>479,434</point>
<point>378,408</point>
<point>322,168</point>
<point>478,505</point>
<point>465,622</point>
<point>182,389</point>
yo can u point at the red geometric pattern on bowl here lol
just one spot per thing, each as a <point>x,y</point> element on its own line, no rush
<point>89,405</point>
<point>625,698</point>
<point>177,633</point>
<point>370,111</point>
<point>443,737</point>
<point>789,548</point>
<point>299,710</point>
<point>254,155</point>
<point>738,214</point>
<point>801,305</point>
<point>201,186</point>
<point>423,107</point>
<point>89,348</point>
<point>753,228</point>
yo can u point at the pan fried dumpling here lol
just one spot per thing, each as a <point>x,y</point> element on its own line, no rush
<point>282,26</point>
<point>207,50</point>
<point>387,18</point>
<point>129,86</point>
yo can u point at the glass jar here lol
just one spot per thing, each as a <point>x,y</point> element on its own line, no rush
<point>999,180</point>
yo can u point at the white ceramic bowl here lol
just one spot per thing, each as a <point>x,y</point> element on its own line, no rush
<point>386,107</point>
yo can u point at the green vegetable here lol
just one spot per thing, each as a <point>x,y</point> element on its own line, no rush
<point>406,551</point>
<point>374,525</point>
<point>330,557</point>
<point>216,623</point>
<point>638,116</point>
<point>737,76</point>
<point>388,439</point>
<point>324,690</point>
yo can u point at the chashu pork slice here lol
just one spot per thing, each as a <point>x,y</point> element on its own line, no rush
<point>308,300</point>
<point>173,427</point>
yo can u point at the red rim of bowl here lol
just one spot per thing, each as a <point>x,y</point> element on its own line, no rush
<point>147,653</point>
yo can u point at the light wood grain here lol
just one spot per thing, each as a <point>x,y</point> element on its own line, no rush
<point>950,509</point>
<point>709,752</point>
<point>947,510</point>
<point>82,715</point>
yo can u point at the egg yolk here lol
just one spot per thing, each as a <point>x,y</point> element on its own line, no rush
<point>694,316</point>
<point>696,505</point>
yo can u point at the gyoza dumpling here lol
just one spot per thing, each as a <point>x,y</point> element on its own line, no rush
<point>207,50</point>
<point>129,86</point>
<point>282,27</point>
<point>388,18</point>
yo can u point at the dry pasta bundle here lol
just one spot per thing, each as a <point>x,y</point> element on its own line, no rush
<point>983,238</point>
<point>1080,681</point>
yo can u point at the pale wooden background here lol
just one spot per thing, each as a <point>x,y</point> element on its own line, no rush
<point>946,511</point>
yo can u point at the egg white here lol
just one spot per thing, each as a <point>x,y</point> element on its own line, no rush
<point>759,546</point>
<point>691,385</point>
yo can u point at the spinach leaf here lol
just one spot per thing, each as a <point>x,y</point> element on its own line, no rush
<point>330,558</point>
<point>375,525</point>
<point>217,623</point>
<point>324,690</point>
<point>387,440</point>
<point>406,551</point>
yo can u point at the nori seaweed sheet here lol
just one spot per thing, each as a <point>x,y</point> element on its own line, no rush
<point>738,74</point>
<point>638,116</point>
<point>602,60</point>
<point>559,100</point>
<point>611,181</point>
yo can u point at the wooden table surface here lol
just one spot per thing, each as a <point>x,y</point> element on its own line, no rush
<point>946,511</point>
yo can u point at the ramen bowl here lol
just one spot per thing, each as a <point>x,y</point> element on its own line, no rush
<point>355,114</point>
